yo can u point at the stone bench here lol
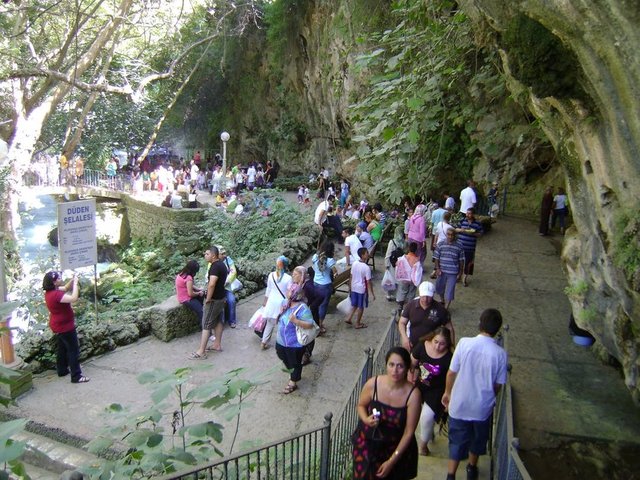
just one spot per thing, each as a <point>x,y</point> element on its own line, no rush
<point>171,320</point>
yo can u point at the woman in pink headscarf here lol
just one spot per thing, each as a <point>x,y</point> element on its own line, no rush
<point>418,231</point>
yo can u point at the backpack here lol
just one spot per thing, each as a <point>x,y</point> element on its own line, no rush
<point>395,255</point>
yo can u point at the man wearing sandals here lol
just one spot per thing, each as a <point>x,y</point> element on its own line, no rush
<point>214,303</point>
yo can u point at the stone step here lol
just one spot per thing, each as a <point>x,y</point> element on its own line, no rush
<point>46,458</point>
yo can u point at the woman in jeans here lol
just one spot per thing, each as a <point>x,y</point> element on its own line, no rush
<point>323,269</point>
<point>189,295</point>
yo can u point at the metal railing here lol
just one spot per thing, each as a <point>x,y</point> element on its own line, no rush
<point>89,178</point>
<point>323,453</point>
<point>506,462</point>
<point>302,456</point>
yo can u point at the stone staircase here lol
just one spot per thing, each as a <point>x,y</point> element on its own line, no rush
<point>48,459</point>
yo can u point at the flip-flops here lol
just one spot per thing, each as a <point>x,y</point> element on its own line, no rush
<point>362,325</point>
<point>197,356</point>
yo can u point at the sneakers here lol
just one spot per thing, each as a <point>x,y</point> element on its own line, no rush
<point>472,472</point>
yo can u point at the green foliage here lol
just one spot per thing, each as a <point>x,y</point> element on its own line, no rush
<point>160,440</point>
<point>626,246</point>
<point>577,290</point>
<point>415,123</point>
<point>11,450</point>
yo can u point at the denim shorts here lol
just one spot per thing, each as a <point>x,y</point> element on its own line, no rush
<point>468,436</point>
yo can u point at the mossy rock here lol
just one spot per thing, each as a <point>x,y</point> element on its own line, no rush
<point>170,320</point>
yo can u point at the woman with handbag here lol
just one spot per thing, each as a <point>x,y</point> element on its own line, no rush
<point>278,283</point>
<point>324,269</point>
<point>431,359</point>
<point>384,443</point>
<point>290,347</point>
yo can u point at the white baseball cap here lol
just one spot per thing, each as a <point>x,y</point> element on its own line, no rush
<point>426,289</point>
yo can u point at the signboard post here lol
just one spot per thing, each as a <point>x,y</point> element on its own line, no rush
<point>77,237</point>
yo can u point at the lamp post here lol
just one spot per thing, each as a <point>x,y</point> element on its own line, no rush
<point>224,136</point>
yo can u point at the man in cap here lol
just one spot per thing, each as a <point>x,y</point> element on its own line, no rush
<point>421,316</point>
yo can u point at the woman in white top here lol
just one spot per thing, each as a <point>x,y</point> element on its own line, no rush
<point>274,298</point>
<point>560,209</point>
<point>441,228</point>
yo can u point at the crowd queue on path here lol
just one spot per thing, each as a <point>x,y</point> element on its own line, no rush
<point>430,378</point>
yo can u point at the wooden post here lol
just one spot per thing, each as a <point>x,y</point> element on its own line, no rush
<point>6,345</point>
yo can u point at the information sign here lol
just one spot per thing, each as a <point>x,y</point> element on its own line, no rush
<point>77,234</point>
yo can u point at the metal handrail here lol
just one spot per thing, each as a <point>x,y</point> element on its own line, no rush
<point>301,456</point>
<point>506,462</point>
<point>89,178</point>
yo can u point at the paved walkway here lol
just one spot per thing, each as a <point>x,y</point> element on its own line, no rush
<point>561,392</point>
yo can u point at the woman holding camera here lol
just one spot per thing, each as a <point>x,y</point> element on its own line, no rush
<point>384,443</point>
<point>59,297</point>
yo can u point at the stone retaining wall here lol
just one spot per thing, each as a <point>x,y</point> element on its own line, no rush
<point>143,220</point>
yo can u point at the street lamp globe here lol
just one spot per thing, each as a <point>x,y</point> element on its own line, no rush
<point>224,136</point>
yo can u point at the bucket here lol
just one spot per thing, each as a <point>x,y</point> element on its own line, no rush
<point>583,341</point>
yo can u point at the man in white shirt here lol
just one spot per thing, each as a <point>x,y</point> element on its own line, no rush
<point>468,197</point>
<point>478,370</point>
<point>449,202</point>
<point>251,177</point>
<point>360,283</point>
<point>351,246</point>
<point>321,211</point>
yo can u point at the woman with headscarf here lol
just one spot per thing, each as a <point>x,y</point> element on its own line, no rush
<point>275,297</point>
<point>323,269</point>
<point>395,245</point>
<point>300,278</point>
<point>418,231</point>
<point>58,297</point>
<point>189,295</point>
<point>288,349</point>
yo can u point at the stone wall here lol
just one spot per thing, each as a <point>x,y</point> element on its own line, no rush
<point>143,220</point>
<point>575,65</point>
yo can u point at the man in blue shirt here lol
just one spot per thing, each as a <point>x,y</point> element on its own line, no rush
<point>469,231</point>
<point>365,237</point>
<point>449,259</point>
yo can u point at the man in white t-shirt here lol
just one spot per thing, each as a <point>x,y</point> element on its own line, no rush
<point>321,211</point>
<point>351,246</point>
<point>251,177</point>
<point>478,370</point>
<point>468,197</point>
<point>360,283</point>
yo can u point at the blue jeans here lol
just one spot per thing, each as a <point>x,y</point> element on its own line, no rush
<point>195,304</point>
<point>230,309</point>
<point>324,292</point>
<point>68,355</point>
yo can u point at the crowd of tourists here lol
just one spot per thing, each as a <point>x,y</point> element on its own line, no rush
<point>425,380</point>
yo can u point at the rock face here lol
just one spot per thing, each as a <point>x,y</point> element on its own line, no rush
<point>576,65</point>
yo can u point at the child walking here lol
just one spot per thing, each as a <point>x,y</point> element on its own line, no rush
<point>360,285</point>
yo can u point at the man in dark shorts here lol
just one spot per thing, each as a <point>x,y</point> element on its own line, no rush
<point>214,303</point>
<point>478,370</point>
<point>423,315</point>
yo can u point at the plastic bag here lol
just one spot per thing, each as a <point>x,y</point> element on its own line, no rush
<point>344,306</point>
<point>388,282</point>
<point>255,317</point>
